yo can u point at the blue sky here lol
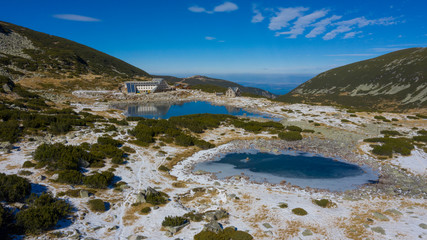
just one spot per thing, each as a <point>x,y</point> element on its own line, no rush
<point>186,37</point>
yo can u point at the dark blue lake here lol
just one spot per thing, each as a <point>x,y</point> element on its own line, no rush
<point>298,168</point>
<point>165,111</point>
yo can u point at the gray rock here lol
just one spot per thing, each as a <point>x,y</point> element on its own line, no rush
<point>84,163</point>
<point>423,225</point>
<point>176,229</point>
<point>380,216</point>
<point>84,193</point>
<point>54,176</point>
<point>6,88</point>
<point>6,147</point>
<point>267,225</point>
<point>156,207</point>
<point>152,191</point>
<point>168,234</point>
<point>215,215</point>
<point>41,178</point>
<point>307,232</point>
<point>378,230</point>
<point>394,211</point>
<point>137,237</point>
<point>213,226</point>
<point>140,198</point>
<point>216,183</point>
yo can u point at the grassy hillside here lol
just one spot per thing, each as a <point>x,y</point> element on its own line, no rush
<point>397,80</point>
<point>208,84</point>
<point>26,53</point>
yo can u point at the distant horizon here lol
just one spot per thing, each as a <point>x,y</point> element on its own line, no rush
<point>275,83</point>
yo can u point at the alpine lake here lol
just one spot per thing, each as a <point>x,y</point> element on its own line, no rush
<point>298,168</point>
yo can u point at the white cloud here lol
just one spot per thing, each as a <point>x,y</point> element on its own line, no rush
<point>196,9</point>
<point>351,55</point>
<point>284,16</point>
<point>351,34</point>
<point>303,22</point>
<point>74,17</point>
<point>294,21</point>
<point>387,49</point>
<point>225,7</point>
<point>209,38</point>
<point>360,22</point>
<point>258,17</point>
<point>320,26</point>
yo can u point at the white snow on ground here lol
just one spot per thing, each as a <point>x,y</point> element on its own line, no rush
<point>255,203</point>
<point>416,163</point>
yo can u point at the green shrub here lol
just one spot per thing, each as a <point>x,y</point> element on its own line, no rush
<point>13,188</point>
<point>283,205</point>
<point>324,203</point>
<point>70,176</point>
<point>96,205</point>
<point>195,217</point>
<point>294,128</point>
<point>109,141</point>
<point>228,233</point>
<point>60,157</point>
<point>383,150</point>
<point>290,136</point>
<point>391,145</point>
<point>43,213</point>
<point>98,180</point>
<point>308,131</point>
<point>146,210</point>
<point>9,131</point>
<point>25,172</point>
<point>170,221</point>
<point>422,132</point>
<point>28,164</point>
<point>422,138</point>
<point>156,199</point>
<point>299,211</point>
<point>163,168</point>
<point>390,132</point>
<point>380,118</point>
<point>102,151</point>
<point>128,149</point>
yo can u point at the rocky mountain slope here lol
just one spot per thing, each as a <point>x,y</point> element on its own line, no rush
<point>219,85</point>
<point>30,55</point>
<point>42,61</point>
<point>397,80</point>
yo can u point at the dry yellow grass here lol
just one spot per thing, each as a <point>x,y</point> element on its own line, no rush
<point>133,213</point>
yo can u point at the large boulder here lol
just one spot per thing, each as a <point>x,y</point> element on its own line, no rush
<point>84,193</point>
<point>6,147</point>
<point>215,215</point>
<point>176,229</point>
<point>213,226</point>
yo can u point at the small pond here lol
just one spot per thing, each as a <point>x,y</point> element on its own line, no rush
<point>167,110</point>
<point>298,168</point>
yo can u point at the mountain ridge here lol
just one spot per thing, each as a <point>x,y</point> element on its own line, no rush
<point>216,85</point>
<point>393,81</point>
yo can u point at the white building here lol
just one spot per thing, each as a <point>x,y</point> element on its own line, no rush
<point>233,92</point>
<point>155,85</point>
